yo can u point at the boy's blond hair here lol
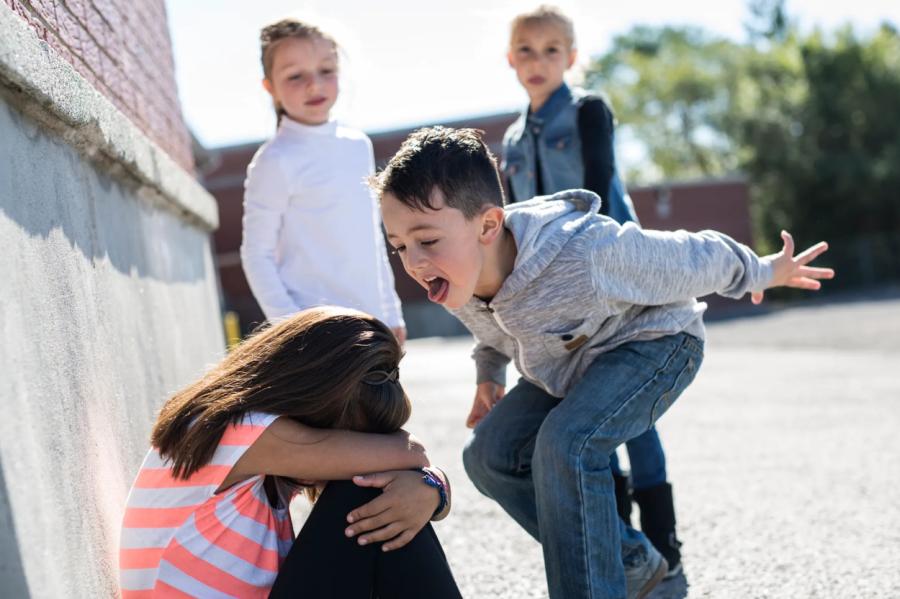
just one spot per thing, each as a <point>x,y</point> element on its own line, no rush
<point>545,14</point>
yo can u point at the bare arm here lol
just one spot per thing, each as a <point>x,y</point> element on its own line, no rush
<point>294,450</point>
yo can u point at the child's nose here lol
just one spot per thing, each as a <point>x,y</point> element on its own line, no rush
<point>415,260</point>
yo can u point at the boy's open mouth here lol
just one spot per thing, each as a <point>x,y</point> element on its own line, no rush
<point>437,289</point>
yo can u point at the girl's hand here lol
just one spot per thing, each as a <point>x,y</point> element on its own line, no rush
<point>792,271</point>
<point>404,507</point>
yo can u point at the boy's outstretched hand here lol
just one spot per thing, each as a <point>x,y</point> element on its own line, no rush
<point>792,271</point>
<point>486,395</point>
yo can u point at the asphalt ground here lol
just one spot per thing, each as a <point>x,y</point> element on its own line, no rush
<point>784,455</point>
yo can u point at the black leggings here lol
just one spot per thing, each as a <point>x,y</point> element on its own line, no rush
<point>325,563</point>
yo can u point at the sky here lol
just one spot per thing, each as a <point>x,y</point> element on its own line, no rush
<point>409,62</point>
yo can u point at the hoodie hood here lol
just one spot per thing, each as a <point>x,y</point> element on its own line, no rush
<point>541,227</point>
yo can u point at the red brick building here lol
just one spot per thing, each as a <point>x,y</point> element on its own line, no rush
<point>716,204</point>
<point>123,48</point>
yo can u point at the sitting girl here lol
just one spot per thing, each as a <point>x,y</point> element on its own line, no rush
<point>314,398</point>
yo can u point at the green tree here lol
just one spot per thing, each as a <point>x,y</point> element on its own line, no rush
<point>671,88</point>
<point>810,119</point>
<point>821,146</point>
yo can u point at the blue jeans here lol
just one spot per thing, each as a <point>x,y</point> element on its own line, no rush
<point>545,460</point>
<point>647,458</point>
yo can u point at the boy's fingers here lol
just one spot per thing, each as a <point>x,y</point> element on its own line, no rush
<point>399,542</point>
<point>812,253</point>
<point>488,398</point>
<point>788,243</point>
<point>476,414</point>
<point>373,508</point>
<point>815,273</point>
<point>804,283</point>
<point>382,534</point>
<point>756,297</point>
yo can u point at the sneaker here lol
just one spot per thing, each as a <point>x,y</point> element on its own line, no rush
<point>671,550</point>
<point>644,569</point>
<point>673,572</point>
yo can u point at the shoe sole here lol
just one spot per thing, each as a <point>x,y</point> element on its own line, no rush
<point>674,572</point>
<point>655,580</point>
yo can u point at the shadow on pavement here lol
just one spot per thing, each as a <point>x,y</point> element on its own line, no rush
<point>12,575</point>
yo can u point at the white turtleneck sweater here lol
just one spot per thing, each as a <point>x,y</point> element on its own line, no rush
<point>312,228</point>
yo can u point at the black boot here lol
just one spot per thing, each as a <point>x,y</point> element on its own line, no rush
<point>658,522</point>
<point>623,497</point>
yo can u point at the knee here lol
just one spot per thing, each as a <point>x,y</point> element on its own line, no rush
<point>564,444</point>
<point>474,458</point>
<point>344,495</point>
<point>483,459</point>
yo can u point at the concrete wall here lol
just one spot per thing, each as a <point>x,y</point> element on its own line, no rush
<point>108,304</point>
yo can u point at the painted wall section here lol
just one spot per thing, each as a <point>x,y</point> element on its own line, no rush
<point>108,304</point>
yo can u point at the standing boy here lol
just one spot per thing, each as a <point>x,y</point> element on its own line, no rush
<point>600,320</point>
<point>564,139</point>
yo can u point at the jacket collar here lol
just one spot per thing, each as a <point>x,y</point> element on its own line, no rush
<point>558,100</point>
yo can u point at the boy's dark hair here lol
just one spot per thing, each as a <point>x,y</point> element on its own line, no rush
<point>456,161</point>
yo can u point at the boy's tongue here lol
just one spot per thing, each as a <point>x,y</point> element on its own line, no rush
<point>437,290</point>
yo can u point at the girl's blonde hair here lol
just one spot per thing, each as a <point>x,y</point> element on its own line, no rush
<point>324,367</point>
<point>272,35</point>
<point>545,14</point>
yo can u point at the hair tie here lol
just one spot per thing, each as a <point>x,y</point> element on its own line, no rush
<point>379,377</point>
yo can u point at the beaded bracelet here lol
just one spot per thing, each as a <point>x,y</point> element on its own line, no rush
<point>433,480</point>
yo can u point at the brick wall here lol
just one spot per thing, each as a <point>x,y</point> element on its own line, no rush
<point>123,48</point>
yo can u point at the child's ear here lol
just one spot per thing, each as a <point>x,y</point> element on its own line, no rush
<point>267,85</point>
<point>491,224</point>
<point>509,59</point>
<point>573,54</point>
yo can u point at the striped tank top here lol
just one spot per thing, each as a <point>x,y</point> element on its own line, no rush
<point>181,539</point>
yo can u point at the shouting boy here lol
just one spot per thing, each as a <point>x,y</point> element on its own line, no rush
<point>601,321</point>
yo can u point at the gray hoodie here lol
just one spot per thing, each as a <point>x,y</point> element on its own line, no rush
<point>582,284</point>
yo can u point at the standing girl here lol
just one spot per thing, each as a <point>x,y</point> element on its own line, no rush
<point>208,514</point>
<point>312,229</point>
<point>564,139</point>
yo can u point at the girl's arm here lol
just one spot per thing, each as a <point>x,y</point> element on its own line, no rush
<point>290,449</point>
<point>390,301</point>
<point>595,128</point>
<point>265,202</point>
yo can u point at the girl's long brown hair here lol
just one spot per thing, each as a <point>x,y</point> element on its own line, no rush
<point>324,367</point>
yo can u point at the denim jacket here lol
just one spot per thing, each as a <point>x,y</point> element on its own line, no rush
<point>553,132</point>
